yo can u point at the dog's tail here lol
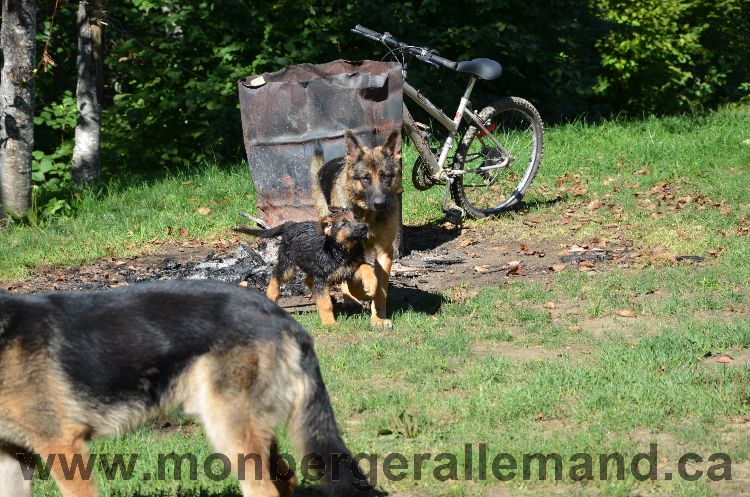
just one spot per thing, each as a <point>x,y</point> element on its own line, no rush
<point>268,233</point>
<point>316,165</point>
<point>314,431</point>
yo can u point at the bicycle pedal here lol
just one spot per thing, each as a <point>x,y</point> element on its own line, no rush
<point>454,214</point>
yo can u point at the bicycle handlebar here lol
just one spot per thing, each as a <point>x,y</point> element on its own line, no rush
<point>423,54</point>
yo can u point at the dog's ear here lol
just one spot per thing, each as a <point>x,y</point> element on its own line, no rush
<point>391,144</point>
<point>353,148</point>
<point>325,225</point>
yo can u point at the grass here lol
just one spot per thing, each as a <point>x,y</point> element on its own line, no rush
<point>437,382</point>
<point>127,215</point>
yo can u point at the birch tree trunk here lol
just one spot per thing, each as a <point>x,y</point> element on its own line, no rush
<point>88,96</point>
<point>17,36</point>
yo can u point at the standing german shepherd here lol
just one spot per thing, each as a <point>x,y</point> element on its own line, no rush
<point>368,182</point>
<point>76,365</point>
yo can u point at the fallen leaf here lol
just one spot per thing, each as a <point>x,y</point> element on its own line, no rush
<point>574,328</point>
<point>549,305</point>
<point>658,250</point>
<point>626,313</point>
<point>724,359</point>
<point>183,231</point>
<point>467,241</point>
<point>558,267</point>
<point>463,293</point>
<point>515,271</point>
<point>481,269</point>
<point>204,211</point>
<point>594,204</point>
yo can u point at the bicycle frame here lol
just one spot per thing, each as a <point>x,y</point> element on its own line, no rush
<point>437,164</point>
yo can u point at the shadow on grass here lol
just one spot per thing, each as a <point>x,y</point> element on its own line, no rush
<point>400,299</point>
<point>301,491</point>
<point>536,203</point>
<point>413,299</point>
<point>427,237</point>
<point>318,492</point>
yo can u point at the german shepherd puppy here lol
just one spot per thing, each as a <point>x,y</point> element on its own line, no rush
<point>367,181</point>
<point>77,365</point>
<point>328,252</point>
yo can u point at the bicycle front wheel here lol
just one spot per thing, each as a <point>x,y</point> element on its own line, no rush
<point>490,177</point>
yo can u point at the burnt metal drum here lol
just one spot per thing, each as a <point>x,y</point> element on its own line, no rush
<point>284,113</point>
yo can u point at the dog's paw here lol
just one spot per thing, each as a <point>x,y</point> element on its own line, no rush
<point>381,323</point>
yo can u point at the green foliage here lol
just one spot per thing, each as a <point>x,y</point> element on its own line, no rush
<point>51,191</point>
<point>52,169</point>
<point>171,67</point>
<point>673,56</point>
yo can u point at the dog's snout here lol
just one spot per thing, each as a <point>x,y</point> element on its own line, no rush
<point>379,201</point>
<point>360,230</point>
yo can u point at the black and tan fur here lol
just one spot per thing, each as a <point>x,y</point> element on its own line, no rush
<point>77,365</point>
<point>367,181</point>
<point>328,252</point>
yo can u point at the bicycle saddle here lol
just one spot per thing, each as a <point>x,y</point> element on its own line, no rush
<point>484,68</point>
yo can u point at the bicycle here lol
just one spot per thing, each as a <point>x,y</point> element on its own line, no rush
<point>500,136</point>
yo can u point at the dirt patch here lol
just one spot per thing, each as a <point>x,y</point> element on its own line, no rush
<point>524,353</point>
<point>630,329</point>
<point>436,258</point>
<point>231,260</point>
<point>733,358</point>
<point>666,442</point>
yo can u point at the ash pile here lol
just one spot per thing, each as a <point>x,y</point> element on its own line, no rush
<point>246,264</point>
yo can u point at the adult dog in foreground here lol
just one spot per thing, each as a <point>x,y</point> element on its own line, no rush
<point>368,182</point>
<point>77,365</point>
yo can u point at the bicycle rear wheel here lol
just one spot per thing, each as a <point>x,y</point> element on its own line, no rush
<point>494,178</point>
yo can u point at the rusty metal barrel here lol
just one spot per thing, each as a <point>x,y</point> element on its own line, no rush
<point>285,113</point>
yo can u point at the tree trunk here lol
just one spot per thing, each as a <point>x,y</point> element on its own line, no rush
<point>17,37</point>
<point>86,149</point>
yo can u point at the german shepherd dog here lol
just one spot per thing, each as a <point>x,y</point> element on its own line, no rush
<point>77,365</point>
<point>328,252</point>
<point>367,181</point>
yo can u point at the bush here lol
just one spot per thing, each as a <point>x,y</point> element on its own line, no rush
<point>665,57</point>
<point>171,67</point>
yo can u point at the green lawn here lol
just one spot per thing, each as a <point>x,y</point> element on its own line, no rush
<point>503,366</point>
